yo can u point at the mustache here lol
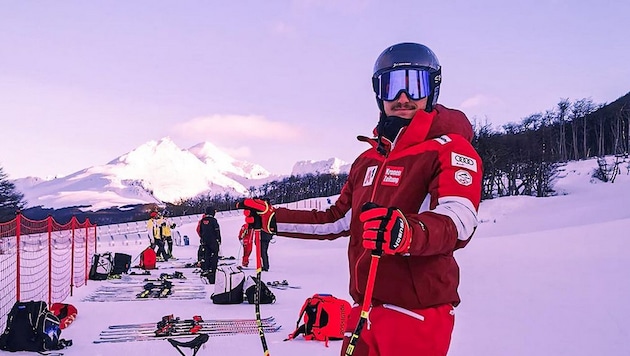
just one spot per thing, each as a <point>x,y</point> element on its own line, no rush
<point>404,106</point>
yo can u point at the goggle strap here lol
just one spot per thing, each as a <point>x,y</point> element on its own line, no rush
<point>434,83</point>
<point>435,79</point>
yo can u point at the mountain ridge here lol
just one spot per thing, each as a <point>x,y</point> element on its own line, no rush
<point>158,172</point>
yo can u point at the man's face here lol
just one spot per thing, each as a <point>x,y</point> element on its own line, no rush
<point>404,107</point>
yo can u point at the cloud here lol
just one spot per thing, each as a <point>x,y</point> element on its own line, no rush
<point>230,129</point>
<point>480,101</point>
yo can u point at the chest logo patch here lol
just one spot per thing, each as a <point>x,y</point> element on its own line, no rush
<point>392,176</point>
<point>370,173</point>
<point>459,160</point>
<point>463,177</point>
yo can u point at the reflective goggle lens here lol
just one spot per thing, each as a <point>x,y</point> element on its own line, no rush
<point>415,83</point>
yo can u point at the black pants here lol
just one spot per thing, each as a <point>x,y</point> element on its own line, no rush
<point>264,256</point>
<point>160,249</point>
<point>169,245</point>
<point>210,256</point>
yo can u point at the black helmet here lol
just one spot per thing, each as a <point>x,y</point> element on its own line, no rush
<point>409,56</point>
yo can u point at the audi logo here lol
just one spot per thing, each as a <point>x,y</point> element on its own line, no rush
<point>465,160</point>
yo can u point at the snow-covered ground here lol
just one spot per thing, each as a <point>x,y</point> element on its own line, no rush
<point>542,276</point>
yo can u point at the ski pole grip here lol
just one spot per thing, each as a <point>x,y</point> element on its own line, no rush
<point>378,251</point>
<point>369,205</point>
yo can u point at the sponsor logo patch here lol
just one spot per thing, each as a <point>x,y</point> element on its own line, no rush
<point>443,140</point>
<point>463,177</point>
<point>459,160</point>
<point>392,176</point>
<point>370,173</point>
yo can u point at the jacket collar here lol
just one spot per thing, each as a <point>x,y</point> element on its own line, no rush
<point>414,133</point>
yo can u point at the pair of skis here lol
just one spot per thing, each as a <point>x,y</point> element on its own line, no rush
<point>151,290</point>
<point>163,289</point>
<point>170,327</point>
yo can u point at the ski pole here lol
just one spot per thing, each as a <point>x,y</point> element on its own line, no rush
<point>261,331</point>
<point>256,225</point>
<point>369,288</point>
<point>367,301</point>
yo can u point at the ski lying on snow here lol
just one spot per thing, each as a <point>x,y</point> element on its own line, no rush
<point>177,321</point>
<point>127,298</point>
<point>116,333</point>
<point>131,338</point>
<point>187,325</point>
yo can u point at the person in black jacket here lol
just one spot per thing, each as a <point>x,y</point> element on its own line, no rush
<point>210,237</point>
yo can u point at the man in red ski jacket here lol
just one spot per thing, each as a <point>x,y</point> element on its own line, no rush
<point>414,195</point>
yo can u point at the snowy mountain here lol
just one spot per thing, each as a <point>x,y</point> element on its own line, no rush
<point>333,165</point>
<point>156,172</point>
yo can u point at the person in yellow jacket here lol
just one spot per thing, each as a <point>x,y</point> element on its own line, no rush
<point>167,235</point>
<point>155,227</point>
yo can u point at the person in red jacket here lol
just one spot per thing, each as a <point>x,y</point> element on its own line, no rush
<point>245,236</point>
<point>412,196</point>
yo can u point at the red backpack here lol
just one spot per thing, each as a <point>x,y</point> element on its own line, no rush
<point>147,259</point>
<point>325,318</point>
<point>65,312</point>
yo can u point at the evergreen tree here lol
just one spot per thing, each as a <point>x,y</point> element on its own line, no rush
<point>10,199</point>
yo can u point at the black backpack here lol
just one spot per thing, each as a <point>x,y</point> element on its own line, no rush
<point>266,296</point>
<point>32,327</point>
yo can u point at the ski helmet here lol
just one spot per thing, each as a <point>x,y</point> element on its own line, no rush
<point>413,56</point>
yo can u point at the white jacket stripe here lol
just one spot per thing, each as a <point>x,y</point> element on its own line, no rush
<point>462,212</point>
<point>334,227</point>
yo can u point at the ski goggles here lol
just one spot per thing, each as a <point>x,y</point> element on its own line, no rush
<point>414,82</point>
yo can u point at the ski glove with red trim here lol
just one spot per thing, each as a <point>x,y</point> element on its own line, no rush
<point>264,210</point>
<point>386,229</point>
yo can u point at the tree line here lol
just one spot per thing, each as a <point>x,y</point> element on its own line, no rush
<point>525,158</point>
<point>286,190</point>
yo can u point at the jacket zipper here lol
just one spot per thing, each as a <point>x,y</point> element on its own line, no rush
<point>375,183</point>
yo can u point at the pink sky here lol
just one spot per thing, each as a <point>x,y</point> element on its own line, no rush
<point>276,82</point>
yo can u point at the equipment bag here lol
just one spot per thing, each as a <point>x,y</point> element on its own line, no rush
<point>325,318</point>
<point>101,266</point>
<point>66,313</point>
<point>32,327</point>
<point>122,263</point>
<point>266,296</point>
<point>228,285</point>
<point>148,259</point>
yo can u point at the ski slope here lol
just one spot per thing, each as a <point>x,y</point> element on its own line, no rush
<point>542,276</point>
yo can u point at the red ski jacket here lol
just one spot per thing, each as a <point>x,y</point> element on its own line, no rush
<point>245,235</point>
<point>433,175</point>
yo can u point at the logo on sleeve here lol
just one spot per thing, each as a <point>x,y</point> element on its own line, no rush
<point>370,173</point>
<point>443,140</point>
<point>392,176</point>
<point>463,177</point>
<point>459,160</point>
